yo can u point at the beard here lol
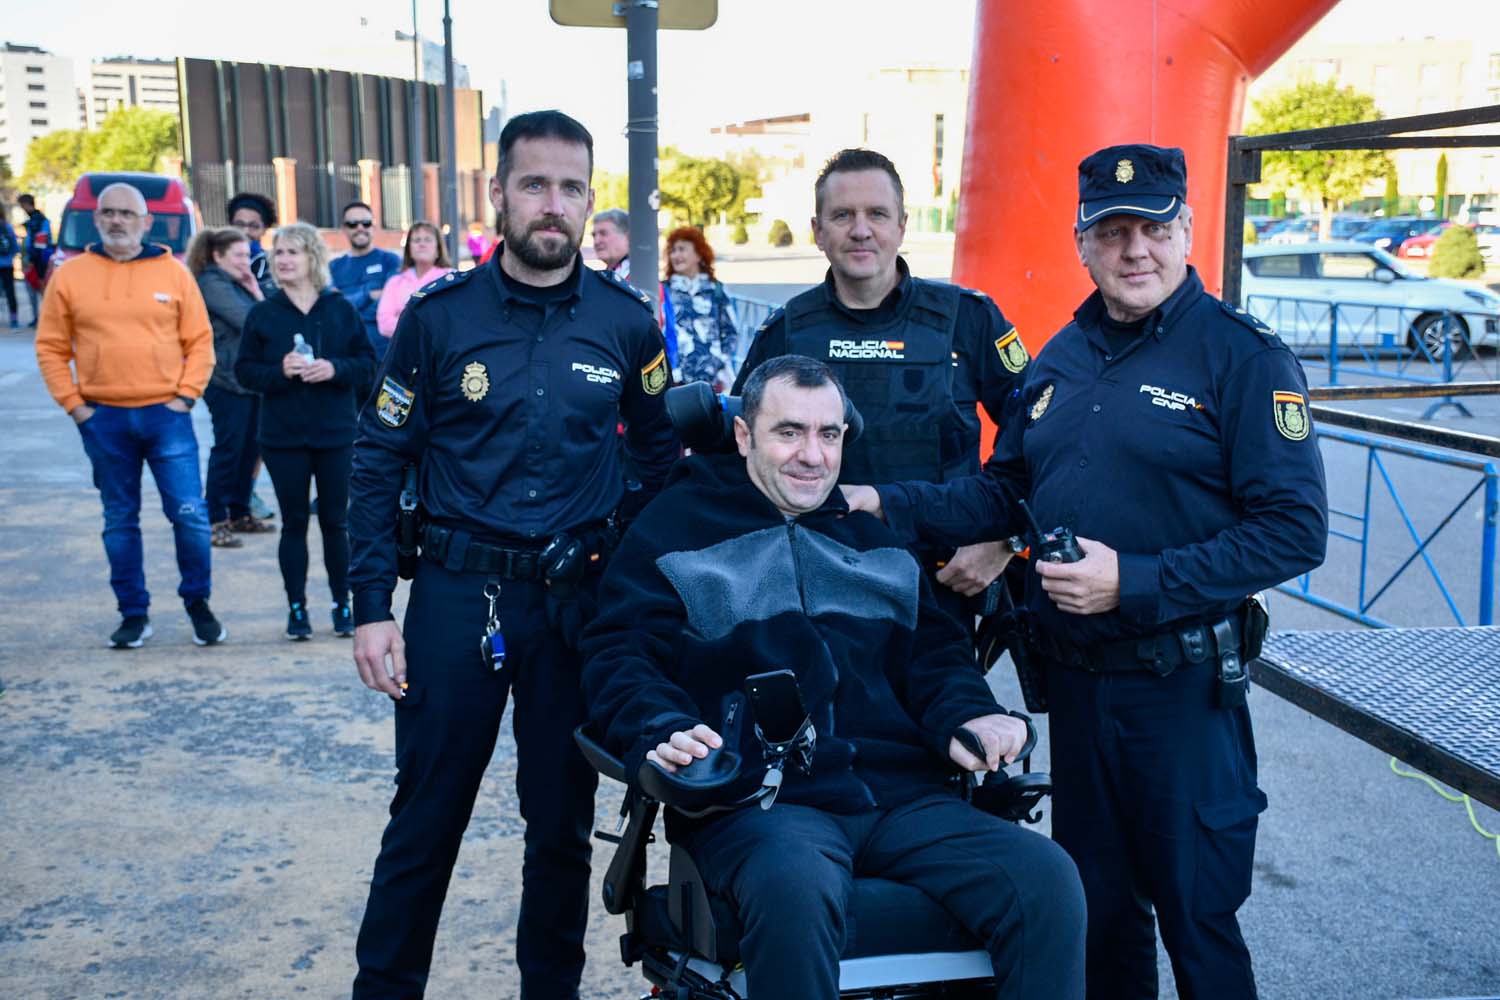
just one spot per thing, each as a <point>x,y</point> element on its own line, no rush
<point>523,242</point>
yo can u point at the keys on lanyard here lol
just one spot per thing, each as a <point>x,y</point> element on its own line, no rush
<point>492,646</point>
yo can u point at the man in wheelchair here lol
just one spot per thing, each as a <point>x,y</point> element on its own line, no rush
<point>751,563</point>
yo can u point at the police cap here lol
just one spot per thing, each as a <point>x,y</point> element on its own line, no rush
<point>1148,181</point>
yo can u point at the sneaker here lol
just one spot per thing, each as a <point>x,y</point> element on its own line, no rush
<point>258,508</point>
<point>298,628</point>
<point>224,537</point>
<point>206,628</point>
<point>343,621</point>
<point>133,631</point>
<point>250,525</point>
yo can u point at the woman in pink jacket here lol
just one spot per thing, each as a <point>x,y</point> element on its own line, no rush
<point>424,261</point>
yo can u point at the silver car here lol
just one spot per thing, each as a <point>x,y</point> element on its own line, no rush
<point>1365,299</point>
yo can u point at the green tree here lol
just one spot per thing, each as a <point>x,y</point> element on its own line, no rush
<point>1442,186</point>
<point>696,189</point>
<point>611,191</point>
<point>1391,204</point>
<point>131,139</point>
<point>1328,175</point>
<point>54,160</point>
<point>1455,254</point>
<point>781,234</point>
<point>752,168</point>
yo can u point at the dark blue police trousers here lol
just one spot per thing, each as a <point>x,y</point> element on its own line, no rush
<point>789,872</point>
<point>1155,797</point>
<point>446,728</point>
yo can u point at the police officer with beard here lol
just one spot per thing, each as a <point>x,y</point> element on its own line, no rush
<point>1170,432</point>
<point>504,385</point>
<point>914,355</point>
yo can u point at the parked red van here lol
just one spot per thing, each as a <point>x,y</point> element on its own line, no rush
<point>174,217</point>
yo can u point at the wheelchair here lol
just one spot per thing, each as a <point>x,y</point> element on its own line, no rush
<point>901,944</point>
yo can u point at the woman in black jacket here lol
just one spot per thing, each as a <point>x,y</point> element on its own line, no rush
<point>220,260</point>
<point>304,350</point>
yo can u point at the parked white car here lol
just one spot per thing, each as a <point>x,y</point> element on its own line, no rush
<point>1377,301</point>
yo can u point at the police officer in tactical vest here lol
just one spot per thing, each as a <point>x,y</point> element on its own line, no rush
<point>914,355</point>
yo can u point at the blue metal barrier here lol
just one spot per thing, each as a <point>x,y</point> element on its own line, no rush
<point>1383,340</point>
<point>750,314</point>
<point>1371,592</point>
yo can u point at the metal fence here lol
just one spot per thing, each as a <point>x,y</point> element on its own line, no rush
<point>1382,340</point>
<point>1395,545</point>
<point>395,197</point>
<point>750,313</point>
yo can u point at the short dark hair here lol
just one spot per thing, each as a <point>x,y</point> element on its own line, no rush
<point>257,203</point>
<point>355,204</point>
<point>850,160</point>
<point>25,199</point>
<point>540,125</point>
<point>798,369</point>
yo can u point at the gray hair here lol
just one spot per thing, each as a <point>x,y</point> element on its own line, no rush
<point>617,217</point>
<point>311,241</point>
<point>135,193</point>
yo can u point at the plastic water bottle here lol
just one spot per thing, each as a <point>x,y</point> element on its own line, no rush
<point>302,347</point>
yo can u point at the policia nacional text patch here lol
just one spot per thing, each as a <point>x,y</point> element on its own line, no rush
<point>1012,352</point>
<point>1290,411</point>
<point>393,404</point>
<point>654,375</point>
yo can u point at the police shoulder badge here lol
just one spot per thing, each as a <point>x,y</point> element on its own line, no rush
<point>1290,411</point>
<point>1041,404</point>
<point>654,375</point>
<point>393,403</point>
<point>1124,171</point>
<point>1012,352</point>
<point>476,381</point>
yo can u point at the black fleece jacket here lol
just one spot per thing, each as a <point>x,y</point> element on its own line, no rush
<point>294,413</point>
<point>712,584</point>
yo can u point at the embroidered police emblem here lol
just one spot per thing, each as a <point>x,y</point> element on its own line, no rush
<point>654,375</point>
<point>1290,411</point>
<point>476,382</point>
<point>1124,171</point>
<point>393,403</point>
<point>1012,352</point>
<point>1041,404</point>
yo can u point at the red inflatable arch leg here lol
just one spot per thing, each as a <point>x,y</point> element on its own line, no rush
<point>1052,82</point>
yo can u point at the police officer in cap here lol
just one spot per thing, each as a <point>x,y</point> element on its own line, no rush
<point>504,385</point>
<point>914,355</point>
<point>1170,432</point>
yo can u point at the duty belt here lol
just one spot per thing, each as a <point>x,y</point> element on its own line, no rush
<point>456,550</point>
<point>1161,653</point>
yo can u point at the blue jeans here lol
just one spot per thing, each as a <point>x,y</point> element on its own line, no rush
<point>118,439</point>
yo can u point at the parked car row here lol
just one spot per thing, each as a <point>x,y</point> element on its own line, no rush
<point>1376,301</point>
<point>1405,236</point>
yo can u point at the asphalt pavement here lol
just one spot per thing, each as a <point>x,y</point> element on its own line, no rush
<point>190,822</point>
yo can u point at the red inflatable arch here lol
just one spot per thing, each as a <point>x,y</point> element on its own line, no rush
<point>1053,81</point>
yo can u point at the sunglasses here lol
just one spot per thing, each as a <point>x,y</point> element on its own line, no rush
<point>359,224</point>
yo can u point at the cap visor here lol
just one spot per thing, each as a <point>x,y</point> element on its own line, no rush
<point>1162,208</point>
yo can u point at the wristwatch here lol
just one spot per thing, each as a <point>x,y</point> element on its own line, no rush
<point>187,401</point>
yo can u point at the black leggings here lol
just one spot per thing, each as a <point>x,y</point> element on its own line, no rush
<point>292,471</point>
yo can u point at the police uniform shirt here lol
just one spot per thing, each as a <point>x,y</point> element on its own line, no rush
<point>1190,452</point>
<point>509,397</point>
<point>988,355</point>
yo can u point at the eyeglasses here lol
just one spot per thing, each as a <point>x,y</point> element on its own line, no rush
<point>359,223</point>
<point>249,225</point>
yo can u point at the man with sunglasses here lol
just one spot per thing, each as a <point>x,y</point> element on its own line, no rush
<point>361,273</point>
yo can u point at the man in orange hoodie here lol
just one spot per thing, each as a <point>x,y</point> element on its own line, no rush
<point>129,318</point>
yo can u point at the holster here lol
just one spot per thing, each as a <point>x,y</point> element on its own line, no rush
<point>408,524</point>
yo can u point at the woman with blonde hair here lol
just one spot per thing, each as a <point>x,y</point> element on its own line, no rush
<point>220,260</point>
<point>425,260</point>
<point>305,351</point>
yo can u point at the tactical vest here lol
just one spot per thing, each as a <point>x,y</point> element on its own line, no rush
<point>900,375</point>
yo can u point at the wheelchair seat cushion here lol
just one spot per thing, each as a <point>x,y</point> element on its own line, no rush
<point>885,918</point>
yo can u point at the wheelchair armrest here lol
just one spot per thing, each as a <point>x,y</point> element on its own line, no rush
<point>599,759</point>
<point>1013,798</point>
<point>697,789</point>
